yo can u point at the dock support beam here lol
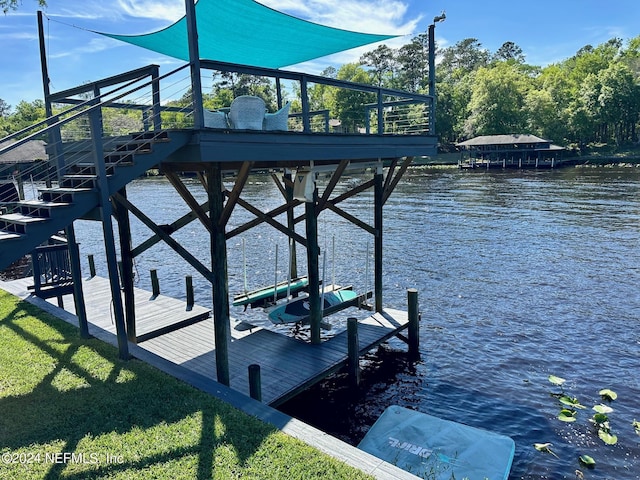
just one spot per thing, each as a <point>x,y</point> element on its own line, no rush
<point>219,271</point>
<point>155,283</point>
<point>377,218</point>
<point>353,352</point>
<point>78,293</point>
<point>255,382</point>
<point>124,233</point>
<point>414,324</point>
<point>313,263</point>
<point>106,211</point>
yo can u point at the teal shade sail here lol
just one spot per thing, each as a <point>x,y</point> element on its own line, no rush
<point>249,33</point>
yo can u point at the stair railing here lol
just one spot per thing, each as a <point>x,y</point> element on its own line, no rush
<point>79,110</point>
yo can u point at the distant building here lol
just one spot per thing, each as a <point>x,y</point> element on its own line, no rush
<point>509,151</point>
<point>21,158</point>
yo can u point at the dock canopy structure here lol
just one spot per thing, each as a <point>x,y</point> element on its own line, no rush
<point>513,150</point>
<point>248,33</point>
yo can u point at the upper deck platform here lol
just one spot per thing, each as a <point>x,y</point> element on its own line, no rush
<point>327,120</point>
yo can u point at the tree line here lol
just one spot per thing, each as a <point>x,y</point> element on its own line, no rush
<point>592,97</point>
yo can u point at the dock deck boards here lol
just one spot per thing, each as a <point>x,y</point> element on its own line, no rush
<point>287,365</point>
<point>154,316</point>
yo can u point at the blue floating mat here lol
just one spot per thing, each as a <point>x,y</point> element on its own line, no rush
<point>437,449</point>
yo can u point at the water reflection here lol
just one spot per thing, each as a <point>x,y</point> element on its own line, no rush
<point>520,274</point>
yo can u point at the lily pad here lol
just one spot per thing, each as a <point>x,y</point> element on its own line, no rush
<point>600,418</point>
<point>607,437</point>
<point>567,415</point>
<point>608,394</point>
<point>556,380</point>
<point>603,408</point>
<point>587,460</point>
<point>571,401</point>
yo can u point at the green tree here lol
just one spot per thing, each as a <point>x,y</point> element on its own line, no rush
<point>462,58</point>
<point>349,103</point>
<point>618,102</point>
<point>26,114</point>
<point>7,5</point>
<point>498,101</point>
<point>509,51</point>
<point>413,63</point>
<point>383,65</point>
<point>229,85</point>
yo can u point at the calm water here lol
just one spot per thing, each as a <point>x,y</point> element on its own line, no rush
<point>520,275</point>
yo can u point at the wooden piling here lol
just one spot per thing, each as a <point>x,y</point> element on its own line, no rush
<point>313,265</point>
<point>126,266</point>
<point>353,352</point>
<point>155,284</point>
<point>377,268</point>
<point>414,325</point>
<point>220,284</point>
<point>189,286</point>
<point>92,266</point>
<point>255,382</point>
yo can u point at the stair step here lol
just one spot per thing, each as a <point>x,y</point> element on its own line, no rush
<point>41,204</point>
<point>78,181</point>
<point>119,158</point>
<point>20,219</point>
<point>17,223</point>
<point>61,194</point>
<point>6,236</point>
<point>39,208</point>
<point>156,136</point>
<point>89,169</point>
<point>135,146</point>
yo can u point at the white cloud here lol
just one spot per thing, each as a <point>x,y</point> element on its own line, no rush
<point>18,36</point>
<point>370,16</point>
<point>170,10</point>
<point>93,46</point>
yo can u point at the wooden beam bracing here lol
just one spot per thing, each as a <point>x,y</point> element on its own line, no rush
<point>354,191</point>
<point>179,249</point>
<point>351,218</point>
<point>268,218</point>
<point>172,227</point>
<point>335,178</point>
<point>189,200</point>
<point>389,190</point>
<point>234,195</point>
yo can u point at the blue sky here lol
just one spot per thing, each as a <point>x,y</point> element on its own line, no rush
<point>547,31</point>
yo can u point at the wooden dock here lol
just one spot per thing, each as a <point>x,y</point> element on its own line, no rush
<point>155,315</point>
<point>288,365</point>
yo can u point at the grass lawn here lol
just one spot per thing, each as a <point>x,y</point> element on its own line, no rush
<point>70,409</point>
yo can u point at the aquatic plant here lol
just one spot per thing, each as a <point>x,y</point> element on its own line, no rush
<point>587,461</point>
<point>545,447</point>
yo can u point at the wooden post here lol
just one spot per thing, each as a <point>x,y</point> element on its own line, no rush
<point>378,201</point>
<point>194,60</point>
<point>414,325</point>
<point>353,348</point>
<point>189,286</point>
<point>76,273</point>
<point>106,212</point>
<point>313,252</point>
<point>92,266</point>
<point>288,187</point>
<point>255,382</point>
<point>219,268</point>
<point>126,267</point>
<point>155,284</point>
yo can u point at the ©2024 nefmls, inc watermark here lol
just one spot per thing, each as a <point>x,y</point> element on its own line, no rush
<point>88,458</point>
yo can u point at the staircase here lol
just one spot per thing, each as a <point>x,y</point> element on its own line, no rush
<point>31,223</point>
